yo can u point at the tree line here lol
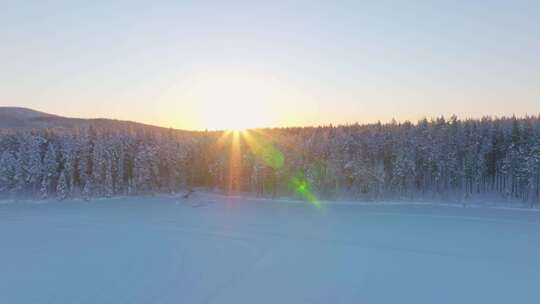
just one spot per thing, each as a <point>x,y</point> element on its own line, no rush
<point>496,158</point>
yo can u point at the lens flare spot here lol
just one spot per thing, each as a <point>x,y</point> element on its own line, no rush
<point>302,187</point>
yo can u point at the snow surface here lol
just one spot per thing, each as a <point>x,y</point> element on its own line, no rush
<point>215,249</point>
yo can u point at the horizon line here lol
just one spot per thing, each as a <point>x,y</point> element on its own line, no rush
<point>340,124</point>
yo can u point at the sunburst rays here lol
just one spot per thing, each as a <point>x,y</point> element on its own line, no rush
<point>262,146</point>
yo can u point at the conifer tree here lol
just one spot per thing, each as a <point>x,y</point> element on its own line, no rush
<point>62,187</point>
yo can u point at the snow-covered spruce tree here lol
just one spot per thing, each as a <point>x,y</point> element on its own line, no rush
<point>141,168</point>
<point>69,160</point>
<point>87,190</point>
<point>403,170</point>
<point>535,158</point>
<point>19,179</point>
<point>109,187</point>
<point>121,167</point>
<point>62,187</point>
<point>29,155</point>
<point>50,171</point>
<point>173,164</point>
<point>154,163</point>
<point>98,167</point>
<point>8,171</point>
<point>85,146</point>
<point>44,189</point>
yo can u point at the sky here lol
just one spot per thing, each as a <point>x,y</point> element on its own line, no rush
<point>243,64</point>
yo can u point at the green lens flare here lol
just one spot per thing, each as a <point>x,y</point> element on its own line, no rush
<point>302,187</point>
<point>271,156</point>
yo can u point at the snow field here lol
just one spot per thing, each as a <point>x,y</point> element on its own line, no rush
<point>217,249</point>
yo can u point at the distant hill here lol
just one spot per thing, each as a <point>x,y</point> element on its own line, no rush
<point>23,118</point>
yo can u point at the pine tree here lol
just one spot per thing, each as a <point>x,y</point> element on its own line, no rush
<point>49,167</point>
<point>62,187</point>
<point>87,190</point>
<point>19,179</point>
<point>109,187</point>
<point>121,168</point>
<point>535,156</point>
<point>29,155</point>
<point>84,163</point>
<point>143,169</point>
<point>69,159</point>
<point>98,168</point>
<point>8,171</point>
<point>44,190</point>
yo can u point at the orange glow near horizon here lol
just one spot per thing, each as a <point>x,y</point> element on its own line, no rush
<point>236,101</point>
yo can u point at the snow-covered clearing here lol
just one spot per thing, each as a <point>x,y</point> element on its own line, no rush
<point>214,249</point>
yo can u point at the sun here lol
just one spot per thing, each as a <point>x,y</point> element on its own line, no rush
<point>237,129</point>
<point>230,116</point>
<point>234,102</point>
<point>232,122</point>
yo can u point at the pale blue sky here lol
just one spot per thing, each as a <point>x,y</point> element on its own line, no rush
<point>188,64</point>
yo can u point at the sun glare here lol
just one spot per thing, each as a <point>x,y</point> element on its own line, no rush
<point>234,102</point>
<point>237,129</point>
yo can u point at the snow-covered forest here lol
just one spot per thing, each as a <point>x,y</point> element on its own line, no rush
<point>433,159</point>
